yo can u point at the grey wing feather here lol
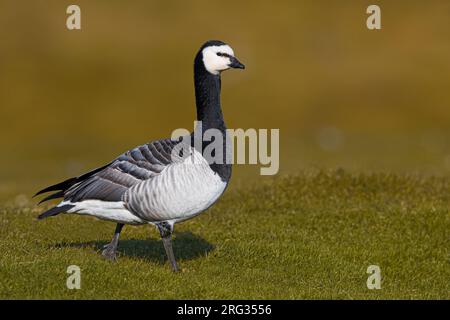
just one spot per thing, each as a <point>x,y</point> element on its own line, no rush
<point>109,183</point>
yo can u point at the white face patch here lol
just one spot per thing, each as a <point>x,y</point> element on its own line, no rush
<point>215,63</point>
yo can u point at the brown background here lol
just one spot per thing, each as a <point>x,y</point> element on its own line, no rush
<point>342,96</point>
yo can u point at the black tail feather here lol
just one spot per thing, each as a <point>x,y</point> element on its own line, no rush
<point>66,184</point>
<point>59,186</point>
<point>56,195</point>
<point>55,211</point>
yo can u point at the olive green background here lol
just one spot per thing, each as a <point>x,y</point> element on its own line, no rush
<point>342,95</point>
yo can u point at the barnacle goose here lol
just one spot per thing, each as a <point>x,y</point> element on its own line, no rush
<point>154,183</point>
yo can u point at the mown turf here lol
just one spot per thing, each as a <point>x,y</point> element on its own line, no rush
<point>307,236</point>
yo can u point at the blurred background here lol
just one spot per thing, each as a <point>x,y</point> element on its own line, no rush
<point>342,96</point>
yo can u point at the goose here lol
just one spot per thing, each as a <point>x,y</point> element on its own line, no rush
<point>157,183</point>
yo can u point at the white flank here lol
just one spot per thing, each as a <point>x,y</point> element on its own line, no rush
<point>181,191</point>
<point>105,210</point>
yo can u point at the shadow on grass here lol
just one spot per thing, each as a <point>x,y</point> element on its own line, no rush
<point>186,246</point>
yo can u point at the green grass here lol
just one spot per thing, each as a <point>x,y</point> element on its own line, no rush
<point>311,235</point>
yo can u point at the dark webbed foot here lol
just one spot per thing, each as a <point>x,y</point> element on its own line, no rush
<point>110,250</point>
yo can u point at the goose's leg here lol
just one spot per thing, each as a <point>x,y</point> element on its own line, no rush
<point>110,249</point>
<point>166,229</point>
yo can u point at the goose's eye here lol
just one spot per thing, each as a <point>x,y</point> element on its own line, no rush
<point>221,54</point>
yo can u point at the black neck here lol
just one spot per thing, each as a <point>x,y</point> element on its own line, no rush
<point>209,112</point>
<point>207,97</point>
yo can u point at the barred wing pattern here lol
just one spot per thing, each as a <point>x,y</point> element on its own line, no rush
<point>132,167</point>
<point>109,183</point>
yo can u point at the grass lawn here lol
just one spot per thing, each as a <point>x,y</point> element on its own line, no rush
<point>310,235</point>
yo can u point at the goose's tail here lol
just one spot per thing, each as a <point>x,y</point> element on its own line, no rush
<point>61,189</point>
<point>55,211</point>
